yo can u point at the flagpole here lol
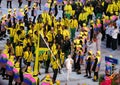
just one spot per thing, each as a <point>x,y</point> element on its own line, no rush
<point>36,70</point>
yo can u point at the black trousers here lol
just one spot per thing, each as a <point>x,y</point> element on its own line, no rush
<point>0,2</point>
<point>10,80</point>
<point>47,65</point>
<point>108,41</point>
<point>119,39</point>
<point>20,3</point>
<point>28,64</point>
<point>3,33</point>
<point>114,44</point>
<point>56,12</point>
<point>63,13</point>
<point>55,72</point>
<point>29,3</point>
<point>9,2</point>
<point>88,70</point>
<point>3,72</point>
<point>39,4</point>
<point>103,32</point>
<point>19,59</point>
<point>109,14</point>
<point>34,19</point>
<point>89,17</point>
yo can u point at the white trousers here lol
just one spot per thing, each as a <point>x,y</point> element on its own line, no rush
<point>68,74</point>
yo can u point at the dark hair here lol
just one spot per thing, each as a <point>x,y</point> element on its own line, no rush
<point>22,27</point>
<point>27,36</point>
<point>19,32</point>
<point>115,27</point>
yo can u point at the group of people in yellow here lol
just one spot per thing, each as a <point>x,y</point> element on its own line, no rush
<point>58,34</point>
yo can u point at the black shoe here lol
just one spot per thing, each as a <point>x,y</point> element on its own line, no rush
<point>79,72</point>
<point>73,70</point>
<point>60,72</point>
<point>95,80</point>
<point>1,39</point>
<point>89,77</point>
<point>3,78</point>
<point>85,75</point>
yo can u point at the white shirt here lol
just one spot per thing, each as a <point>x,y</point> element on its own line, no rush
<point>118,22</point>
<point>115,33</point>
<point>92,46</point>
<point>99,37</point>
<point>109,30</point>
<point>69,62</point>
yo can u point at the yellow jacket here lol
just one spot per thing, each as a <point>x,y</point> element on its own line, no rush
<point>17,38</point>
<point>90,10</point>
<point>60,28</point>
<point>7,47</point>
<point>50,36</point>
<point>22,35</point>
<point>65,33</point>
<point>50,20</point>
<point>30,32</point>
<point>41,57</point>
<point>53,47</point>
<point>83,16</point>
<point>18,26</point>
<point>55,64</point>
<point>73,23</point>
<point>79,3</point>
<point>45,16</point>
<point>38,26</point>
<point>77,41</point>
<point>115,7</point>
<point>35,39</point>
<point>12,31</point>
<point>85,8</point>
<point>65,22</point>
<point>68,9</point>
<point>118,4</point>
<point>46,55</point>
<point>62,57</point>
<point>25,41</point>
<point>19,50</point>
<point>110,8</point>
<point>28,56</point>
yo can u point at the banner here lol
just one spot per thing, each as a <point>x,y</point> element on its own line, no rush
<point>111,60</point>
